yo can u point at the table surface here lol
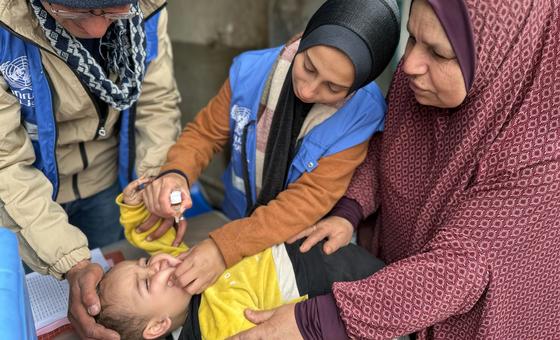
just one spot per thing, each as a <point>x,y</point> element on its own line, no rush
<point>198,228</point>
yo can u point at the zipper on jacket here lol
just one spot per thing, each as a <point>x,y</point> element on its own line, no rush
<point>100,132</point>
<point>83,154</point>
<point>49,81</point>
<point>75,186</point>
<point>246,178</point>
<point>131,142</point>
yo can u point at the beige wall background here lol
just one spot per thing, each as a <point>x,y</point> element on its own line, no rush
<point>232,23</point>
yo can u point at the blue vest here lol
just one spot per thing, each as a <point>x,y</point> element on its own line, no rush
<point>21,67</point>
<point>351,125</point>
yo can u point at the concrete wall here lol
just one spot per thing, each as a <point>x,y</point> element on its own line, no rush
<point>232,23</point>
<point>200,70</point>
<point>244,23</point>
<point>238,23</point>
<point>287,17</point>
<point>405,8</point>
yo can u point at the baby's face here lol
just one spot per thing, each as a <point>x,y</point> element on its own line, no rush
<point>143,288</point>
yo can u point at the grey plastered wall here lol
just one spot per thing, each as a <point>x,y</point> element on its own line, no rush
<point>231,23</point>
<point>286,17</point>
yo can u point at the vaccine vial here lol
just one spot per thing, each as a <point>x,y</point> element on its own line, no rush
<point>175,200</point>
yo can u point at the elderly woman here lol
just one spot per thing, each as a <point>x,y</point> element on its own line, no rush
<point>464,187</point>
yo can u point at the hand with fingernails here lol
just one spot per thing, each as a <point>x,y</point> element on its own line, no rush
<point>336,230</point>
<point>157,198</point>
<point>84,302</point>
<point>278,323</point>
<point>200,268</point>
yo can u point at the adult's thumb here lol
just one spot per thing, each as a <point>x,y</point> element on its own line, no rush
<point>258,317</point>
<point>333,244</point>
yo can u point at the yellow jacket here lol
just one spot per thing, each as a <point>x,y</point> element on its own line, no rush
<point>132,216</point>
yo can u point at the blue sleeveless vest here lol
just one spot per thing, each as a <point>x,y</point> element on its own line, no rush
<point>21,67</point>
<point>351,125</point>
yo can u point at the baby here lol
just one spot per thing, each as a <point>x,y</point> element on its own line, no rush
<point>140,301</point>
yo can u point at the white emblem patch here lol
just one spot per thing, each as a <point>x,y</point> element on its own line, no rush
<point>16,74</point>
<point>241,115</point>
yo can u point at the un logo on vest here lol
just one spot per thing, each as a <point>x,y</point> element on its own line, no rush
<point>16,74</point>
<point>241,117</point>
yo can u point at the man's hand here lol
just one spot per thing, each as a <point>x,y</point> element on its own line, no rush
<point>279,323</point>
<point>201,267</point>
<point>337,230</point>
<point>84,303</point>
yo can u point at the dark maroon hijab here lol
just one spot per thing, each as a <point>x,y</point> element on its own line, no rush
<point>454,18</point>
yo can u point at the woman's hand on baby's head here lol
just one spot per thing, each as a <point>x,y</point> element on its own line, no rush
<point>132,193</point>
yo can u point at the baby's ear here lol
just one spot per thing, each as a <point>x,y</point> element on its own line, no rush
<point>157,327</point>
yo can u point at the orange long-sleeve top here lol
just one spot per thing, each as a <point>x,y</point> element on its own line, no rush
<point>296,208</point>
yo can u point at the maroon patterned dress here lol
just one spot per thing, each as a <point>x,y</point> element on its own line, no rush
<point>467,200</point>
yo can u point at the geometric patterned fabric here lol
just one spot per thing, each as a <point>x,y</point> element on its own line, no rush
<point>468,199</point>
<point>125,44</point>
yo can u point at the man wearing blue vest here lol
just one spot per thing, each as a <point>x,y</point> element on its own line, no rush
<point>87,100</point>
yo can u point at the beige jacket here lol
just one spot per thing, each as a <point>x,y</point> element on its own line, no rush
<point>48,243</point>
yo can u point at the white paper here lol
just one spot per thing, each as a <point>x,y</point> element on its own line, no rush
<point>97,257</point>
<point>49,297</point>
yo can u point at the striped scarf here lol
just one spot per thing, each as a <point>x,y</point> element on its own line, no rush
<point>126,52</point>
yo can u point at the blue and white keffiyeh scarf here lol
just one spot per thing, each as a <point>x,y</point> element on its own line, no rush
<point>126,52</point>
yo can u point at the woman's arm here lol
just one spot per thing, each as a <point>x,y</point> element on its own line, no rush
<point>479,240</point>
<point>362,198</point>
<point>200,140</point>
<point>349,210</point>
<point>206,135</point>
<point>302,204</point>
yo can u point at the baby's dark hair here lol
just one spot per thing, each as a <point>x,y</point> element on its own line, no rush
<point>129,327</point>
<point>122,321</point>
